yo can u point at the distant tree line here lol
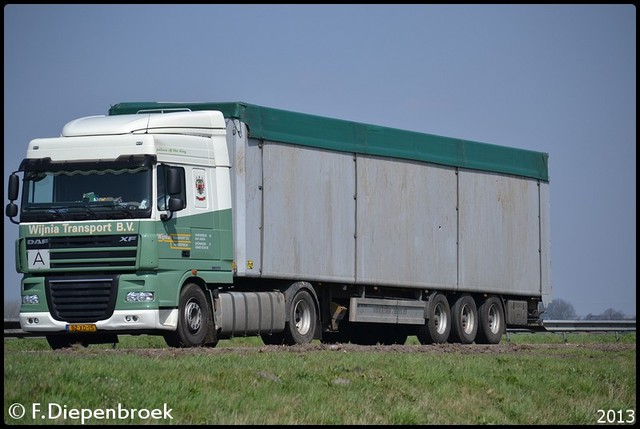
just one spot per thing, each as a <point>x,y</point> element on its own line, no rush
<point>560,309</point>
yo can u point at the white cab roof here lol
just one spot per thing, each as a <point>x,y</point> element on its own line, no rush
<point>199,122</point>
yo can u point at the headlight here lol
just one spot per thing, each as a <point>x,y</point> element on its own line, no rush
<point>30,299</point>
<point>139,297</point>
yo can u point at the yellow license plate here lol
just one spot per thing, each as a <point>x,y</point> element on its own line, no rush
<point>82,327</point>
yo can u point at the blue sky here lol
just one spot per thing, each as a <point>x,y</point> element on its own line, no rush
<point>559,79</point>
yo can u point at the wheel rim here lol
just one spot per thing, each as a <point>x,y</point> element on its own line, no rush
<point>440,319</point>
<point>302,317</point>
<point>494,319</point>
<point>468,323</point>
<point>193,315</point>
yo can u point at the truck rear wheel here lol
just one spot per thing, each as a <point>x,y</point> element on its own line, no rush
<point>438,325</point>
<point>490,321</point>
<point>300,328</point>
<point>193,319</point>
<point>464,325</point>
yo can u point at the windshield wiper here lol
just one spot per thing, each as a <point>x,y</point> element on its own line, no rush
<point>90,211</point>
<point>124,210</point>
<point>53,215</point>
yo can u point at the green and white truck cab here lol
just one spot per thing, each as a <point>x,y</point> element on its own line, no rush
<point>99,239</point>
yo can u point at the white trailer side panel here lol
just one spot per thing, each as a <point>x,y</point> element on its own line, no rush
<point>309,213</point>
<point>413,224</point>
<point>499,234</point>
<point>407,226</point>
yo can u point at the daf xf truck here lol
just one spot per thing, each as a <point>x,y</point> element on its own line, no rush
<point>207,221</point>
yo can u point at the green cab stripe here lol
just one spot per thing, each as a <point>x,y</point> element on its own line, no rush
<point>346,136</point>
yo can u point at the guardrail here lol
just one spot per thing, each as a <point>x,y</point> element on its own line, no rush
<point>586,326</point>
<point>589,325</point>
<point>12,327</point>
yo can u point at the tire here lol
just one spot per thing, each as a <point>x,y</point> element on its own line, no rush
<point>193,319</point>
<point>464,318</point>
<point>300,328</point>
<point>437,328</point>
<point>491,321</point>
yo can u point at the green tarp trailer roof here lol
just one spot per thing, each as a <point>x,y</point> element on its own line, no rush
<point>354,137</point>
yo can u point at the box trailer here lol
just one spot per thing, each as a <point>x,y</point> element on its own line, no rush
<point>203,221</point>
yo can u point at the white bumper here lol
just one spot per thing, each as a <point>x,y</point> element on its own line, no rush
<point>121,320</point>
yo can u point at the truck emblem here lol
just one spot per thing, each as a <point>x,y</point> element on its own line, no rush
<point>33,241</point>
<point>200,189</point>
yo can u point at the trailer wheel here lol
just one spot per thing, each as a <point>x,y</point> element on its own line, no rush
<point>438,325</point>
<point>300,328</point>
<point>193,319</point>
<point>490,321</point>
<point>464,320</point>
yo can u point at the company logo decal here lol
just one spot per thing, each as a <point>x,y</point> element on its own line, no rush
<point>200,194</point>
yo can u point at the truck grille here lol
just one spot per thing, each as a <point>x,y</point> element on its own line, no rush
<point>104,252</point>
<point>81,299</point>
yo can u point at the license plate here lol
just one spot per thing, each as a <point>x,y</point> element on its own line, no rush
<point>82,327</point>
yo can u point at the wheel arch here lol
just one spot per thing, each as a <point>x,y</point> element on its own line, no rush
<point>213,327</point>
<point>185,279</point>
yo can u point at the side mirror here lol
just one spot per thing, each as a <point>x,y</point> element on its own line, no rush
<point>175,204</point>
<point>173,182</point>
<point>12,210</point>
<point>14,184</point>
<point>13,188</point>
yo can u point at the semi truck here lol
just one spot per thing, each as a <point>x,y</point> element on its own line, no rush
<point>214,220</point>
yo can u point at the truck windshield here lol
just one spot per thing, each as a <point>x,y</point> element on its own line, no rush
<point>83,194</point>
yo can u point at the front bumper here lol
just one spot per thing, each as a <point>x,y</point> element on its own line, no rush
<point>121,320</point>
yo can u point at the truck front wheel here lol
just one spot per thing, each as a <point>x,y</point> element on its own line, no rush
<point>300,328</point>
<point>193,319</point>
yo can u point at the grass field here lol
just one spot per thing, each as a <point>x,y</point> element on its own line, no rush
<point>536,379</point>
